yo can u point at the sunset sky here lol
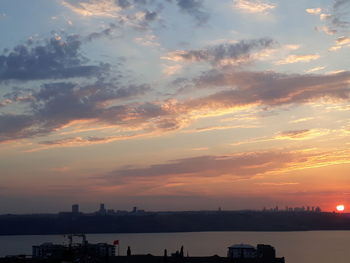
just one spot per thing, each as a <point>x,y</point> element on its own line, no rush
<point>174,104</point>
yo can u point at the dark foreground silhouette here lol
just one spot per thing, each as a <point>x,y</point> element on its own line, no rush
<point>105,253</point>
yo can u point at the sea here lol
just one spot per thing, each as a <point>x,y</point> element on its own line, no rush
<point>296,247</point>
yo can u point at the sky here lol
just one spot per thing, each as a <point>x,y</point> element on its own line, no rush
<point>174,104</point>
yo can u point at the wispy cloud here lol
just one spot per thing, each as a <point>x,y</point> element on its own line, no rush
<point>278,184</point>
<point>298,58</point>
<point>293,135</point>
<point>218,128</point>
<point>229,167</point>
<point>340,43</point>
<point>302,120</point>
<point>232,53</point>
<point>314,69</point>
<point>305,134</point>
<point>243,164</point>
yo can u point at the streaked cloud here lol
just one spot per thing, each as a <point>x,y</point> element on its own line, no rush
<point>301,134</point>
<point>56,105</point>
<point>278,184</point>
<point>340,43</point>
<point>231,166</point>
<point>314,69</point>
<point>293,135</point>
<point>234,53</point>
<point>298,58</point>
<point>343,40</point>
<point>264,88</point>
<point>217,128</point>
<point>302,120</point>
<point>242,164</point>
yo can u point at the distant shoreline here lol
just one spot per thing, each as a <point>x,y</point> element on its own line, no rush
<point>177,222</point>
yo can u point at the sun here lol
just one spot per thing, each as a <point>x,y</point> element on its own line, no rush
<point>340,208</point>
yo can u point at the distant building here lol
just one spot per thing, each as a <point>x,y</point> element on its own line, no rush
<point>243,253</point>
<point>77,250</point>
<point>75,208</point>
<point>48,250</point>
<point>102,209</point>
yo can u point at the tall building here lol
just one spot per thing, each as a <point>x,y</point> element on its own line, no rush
<point>75,208</point>
<point>102,209</point>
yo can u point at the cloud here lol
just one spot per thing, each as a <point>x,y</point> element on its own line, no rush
<point>135,12</point>
<point>81,141</point>
<point>301,134</point>
<point>302,120</point>
<point>236,165</point>
<point>254,6</point>
<point>107,8</point>
<point>217,128</point>
<point>279,184</point>
<point>235,53</point>
<point>327,30</point>
<point>56,58</point>
<point>104,33</point>
<point>295,135</point>
<point>343,40</point>
<point>58,104</point>
<point>131,13</point>
<point>268,88</point>
<point>171,69</point>
<point>314,69</point>
<point>148,40</point>
<point>337,19</point>
<point>340,43</point>
<point>298,58</point>
<point>226,168</point>
<point>314,11</point>
<point>195,9</point>
<point>341,11</point>
<point>17,126</point>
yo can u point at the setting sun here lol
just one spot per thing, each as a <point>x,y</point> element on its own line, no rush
<point>340,208</point>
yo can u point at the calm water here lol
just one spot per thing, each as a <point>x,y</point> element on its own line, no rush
<point>296,247</point>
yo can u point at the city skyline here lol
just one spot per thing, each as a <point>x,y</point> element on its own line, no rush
<point>174,104</point>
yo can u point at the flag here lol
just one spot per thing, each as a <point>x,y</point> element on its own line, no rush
<point>116,242</point>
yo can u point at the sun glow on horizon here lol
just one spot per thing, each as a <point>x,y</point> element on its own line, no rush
<point>340,208</point>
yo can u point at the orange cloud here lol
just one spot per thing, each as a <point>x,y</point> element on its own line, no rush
<point>314,11</point>
<point>298,58</point>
